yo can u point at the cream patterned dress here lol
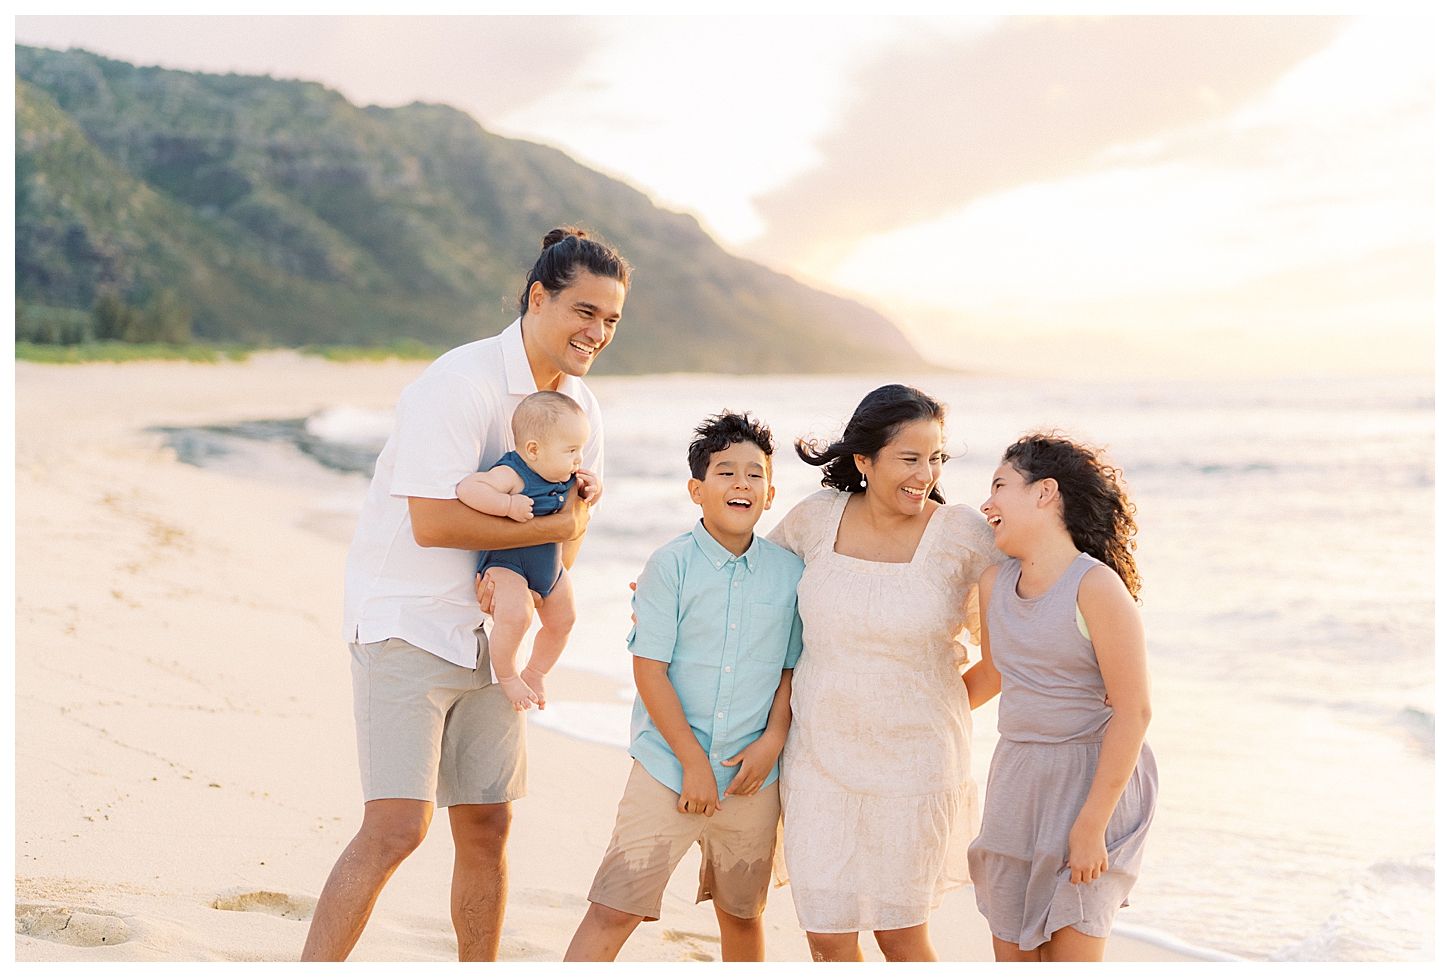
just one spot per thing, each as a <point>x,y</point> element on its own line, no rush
<point>877,793</point>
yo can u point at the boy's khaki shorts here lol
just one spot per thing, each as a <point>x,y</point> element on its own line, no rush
<point>430,730</point>
<point>737,846</point>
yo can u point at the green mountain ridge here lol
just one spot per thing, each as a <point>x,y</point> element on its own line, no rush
<point>282,213</point>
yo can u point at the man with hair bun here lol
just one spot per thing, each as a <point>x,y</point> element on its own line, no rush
<point>432,726</point>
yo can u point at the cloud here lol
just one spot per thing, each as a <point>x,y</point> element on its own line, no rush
<point>935,127</point>
<point>486,65</point>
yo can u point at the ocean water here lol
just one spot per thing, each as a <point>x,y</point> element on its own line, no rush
<point>1286,547</point>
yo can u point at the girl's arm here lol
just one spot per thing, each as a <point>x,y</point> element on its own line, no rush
<point>1117,636</point>
<point>982,679</point>
<point>496,493</point>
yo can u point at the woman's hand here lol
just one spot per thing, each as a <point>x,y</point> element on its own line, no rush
<point>1087,852</point>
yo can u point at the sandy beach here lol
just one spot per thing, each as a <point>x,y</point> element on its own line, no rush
<point>185,764</point>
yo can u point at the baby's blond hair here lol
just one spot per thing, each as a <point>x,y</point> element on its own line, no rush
<point>537,414</point>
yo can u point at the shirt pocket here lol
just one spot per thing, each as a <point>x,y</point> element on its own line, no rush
<point>767,631</point>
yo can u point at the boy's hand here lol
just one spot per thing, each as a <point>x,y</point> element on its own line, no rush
<point>521,508</point>
<point>534,679</point>
<point>590,488</point>
<point>756,761</point>
<point>700,792</point>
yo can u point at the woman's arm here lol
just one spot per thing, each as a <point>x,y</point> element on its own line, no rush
<point>982,679</point>
<point>1117,636</point>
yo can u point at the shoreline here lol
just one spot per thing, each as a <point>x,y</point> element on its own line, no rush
<point>185,760</point>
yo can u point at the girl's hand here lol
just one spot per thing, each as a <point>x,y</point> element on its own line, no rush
<point>1087,852</point>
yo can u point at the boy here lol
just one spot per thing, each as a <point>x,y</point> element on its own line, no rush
<point>550,431</point>
<point>715,639</point>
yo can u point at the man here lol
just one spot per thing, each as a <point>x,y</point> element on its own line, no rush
<point>431,725</point>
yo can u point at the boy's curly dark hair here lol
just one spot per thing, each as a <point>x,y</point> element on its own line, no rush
<point>1095,505</point>
<point>720,431</point>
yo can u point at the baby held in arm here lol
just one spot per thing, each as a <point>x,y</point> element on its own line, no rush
<point>550,431</point>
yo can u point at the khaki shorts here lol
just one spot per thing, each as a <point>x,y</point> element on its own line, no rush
<point>737,846</point>
<point>430,730</point>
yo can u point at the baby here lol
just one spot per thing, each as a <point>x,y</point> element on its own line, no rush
<point>550,431</point>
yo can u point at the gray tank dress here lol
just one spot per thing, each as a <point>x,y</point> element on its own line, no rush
<point>1051,718</point>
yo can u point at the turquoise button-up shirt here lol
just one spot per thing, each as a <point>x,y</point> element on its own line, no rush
<point>727,625</point>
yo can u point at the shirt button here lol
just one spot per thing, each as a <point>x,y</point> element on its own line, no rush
<point>714,756</point>
<point>727,668</point>
<point>737,583</point>
<point>719,564</point>
<point>719,715</point>
<point>732,627</point>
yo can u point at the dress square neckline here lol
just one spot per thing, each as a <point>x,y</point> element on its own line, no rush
<point>881,566</point>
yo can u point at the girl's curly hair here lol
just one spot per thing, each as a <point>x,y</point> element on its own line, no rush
<point>1095,504</point>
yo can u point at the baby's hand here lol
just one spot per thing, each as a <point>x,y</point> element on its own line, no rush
<point>518,692</point>
<point>521,508</point>
<point>534,679</point>
<point>590,488</point>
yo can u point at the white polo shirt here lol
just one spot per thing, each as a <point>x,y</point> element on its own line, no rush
<point>452,421</point>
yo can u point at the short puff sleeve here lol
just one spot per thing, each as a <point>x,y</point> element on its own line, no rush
<point>807,529</point>
<point>966,547</point>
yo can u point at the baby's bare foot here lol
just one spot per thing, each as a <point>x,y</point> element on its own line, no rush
<point>535,681</point>
<point>518,692</point>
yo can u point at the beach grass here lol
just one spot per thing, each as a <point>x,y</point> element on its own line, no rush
<point>116,351</point>
<point>121,352</point>
<point>402,349</point>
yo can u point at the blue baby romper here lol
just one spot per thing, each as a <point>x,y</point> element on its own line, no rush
<point>542,564</point>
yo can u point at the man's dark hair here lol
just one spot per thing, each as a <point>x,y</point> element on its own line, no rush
<point>721,431</point>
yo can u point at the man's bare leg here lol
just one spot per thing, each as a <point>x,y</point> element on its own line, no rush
<point>480,876</point>
<point>741,940</point>
<point>392,829</point>
<point>601,934</point>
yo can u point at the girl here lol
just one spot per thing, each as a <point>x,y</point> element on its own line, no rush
<point>1072,785</point>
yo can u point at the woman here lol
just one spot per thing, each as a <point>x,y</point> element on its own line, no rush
<point>877,793</point>
<point>1072,786</point>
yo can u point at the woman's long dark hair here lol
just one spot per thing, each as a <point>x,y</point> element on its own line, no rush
<point>1095,504</point>
<point>566,251</point>
<point>878,417</point>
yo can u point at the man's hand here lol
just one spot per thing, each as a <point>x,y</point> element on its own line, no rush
<point>700,792</point>
<point>577,510</point>
<point>590,488</point>
<point>483,590</point>
<point>756,761</point>
<point>521,508</point>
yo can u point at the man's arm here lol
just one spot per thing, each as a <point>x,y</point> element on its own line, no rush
<point>450,523</point>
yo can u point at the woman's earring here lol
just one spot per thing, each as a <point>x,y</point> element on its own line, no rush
<point>863,479</point>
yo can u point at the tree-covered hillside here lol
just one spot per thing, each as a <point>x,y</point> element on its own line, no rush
<point>281,213</point>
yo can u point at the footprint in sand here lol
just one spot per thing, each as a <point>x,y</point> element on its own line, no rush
<point>73,927</point>
<point>692,949</point>
<point>244,900</point>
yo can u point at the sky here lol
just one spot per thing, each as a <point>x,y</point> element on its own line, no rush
<point>1136,196</point>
